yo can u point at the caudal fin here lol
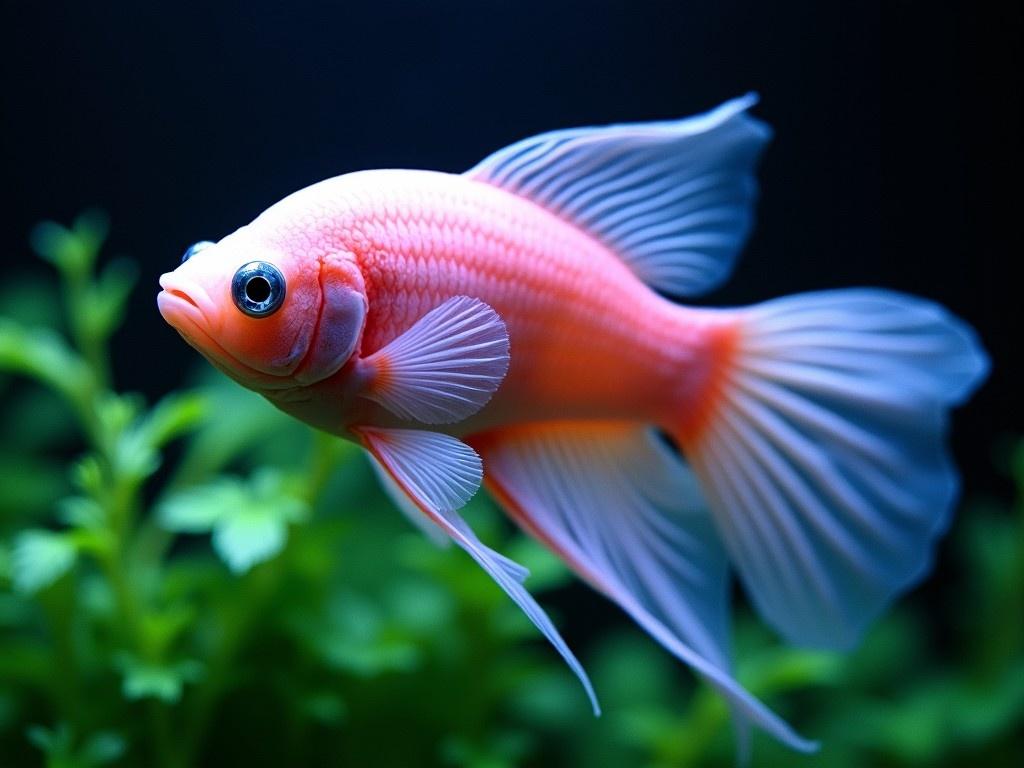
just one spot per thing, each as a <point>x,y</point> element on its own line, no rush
<point>824,457</point>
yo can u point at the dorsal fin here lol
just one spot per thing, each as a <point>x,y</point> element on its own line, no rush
<point>674,199</point>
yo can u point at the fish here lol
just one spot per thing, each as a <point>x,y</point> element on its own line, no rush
<point>522,327</point>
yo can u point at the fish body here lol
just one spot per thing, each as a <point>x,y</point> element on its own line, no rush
<point>588,339</point>
<point>512,326</point>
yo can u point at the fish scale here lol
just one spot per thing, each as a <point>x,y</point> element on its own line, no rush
<point>579,320</point>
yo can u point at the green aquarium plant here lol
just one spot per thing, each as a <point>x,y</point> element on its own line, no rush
<point>203,581</point>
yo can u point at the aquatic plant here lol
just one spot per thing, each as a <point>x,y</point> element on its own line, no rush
<point>204,581</point>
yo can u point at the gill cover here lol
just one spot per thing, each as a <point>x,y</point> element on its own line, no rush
<point>340,325</point>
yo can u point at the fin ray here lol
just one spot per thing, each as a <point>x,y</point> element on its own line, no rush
<point>826,463</point>
<point>445,367</point>
<point>673,199</point>
<point>627,515</point>
<point>408,509</point>
<point>438,474</point>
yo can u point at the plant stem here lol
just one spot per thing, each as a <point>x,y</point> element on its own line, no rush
<point>163,747</point>
<point>266,578</point>
<point>121,499</point>
<point>92,347</point>
<point>65,677</point>
<point>265,581</point>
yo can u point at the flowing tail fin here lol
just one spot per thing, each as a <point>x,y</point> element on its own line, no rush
<point>823,457</point>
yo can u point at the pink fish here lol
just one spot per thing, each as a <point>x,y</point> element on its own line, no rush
<point>509,326</point>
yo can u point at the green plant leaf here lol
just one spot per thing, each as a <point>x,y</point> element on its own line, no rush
<point>150,680</point>
<point>43,355</point>
<point>51,741</point>
<point>103,747</point>
<point>136,453</point>
<point>81,512</point>
<point>58,744</point>
<point>175,415</point>
<point>249,535</point>
<point>62,247</point>
<point>249,520</point>
<point>197,510</point>
<point>87,475</point>
<point>91,227</point>
<point>72,250</point>
<point>257,529</point>
<point>116,411</point>
<point>133,459</point>
<point>40,558</point>
<point>103,309</point>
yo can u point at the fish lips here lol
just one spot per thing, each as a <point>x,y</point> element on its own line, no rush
<point>189,310</point>
<point>185,306</point>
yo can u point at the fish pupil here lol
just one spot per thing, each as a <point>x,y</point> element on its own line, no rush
<point>257,289</point>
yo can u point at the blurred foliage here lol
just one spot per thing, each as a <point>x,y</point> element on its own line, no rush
<point>256,601</point>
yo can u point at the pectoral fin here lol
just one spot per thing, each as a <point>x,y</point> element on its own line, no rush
<point>445,367</point>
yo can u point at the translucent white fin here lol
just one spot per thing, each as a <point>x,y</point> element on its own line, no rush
<point>405,505</point>
<point>445,472</point>
<point>674,199</point>
<point>825,460</point>
<point>626,514</point>
<point>436,472</point>
<point>445,367</point>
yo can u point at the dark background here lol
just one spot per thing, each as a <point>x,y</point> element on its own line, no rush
<point>897,158</point>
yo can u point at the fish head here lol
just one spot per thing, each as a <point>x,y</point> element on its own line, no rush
<point>271,312</point>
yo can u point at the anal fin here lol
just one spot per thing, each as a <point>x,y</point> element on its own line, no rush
<point>626,514</point>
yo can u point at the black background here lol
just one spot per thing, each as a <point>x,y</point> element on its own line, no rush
<point>897,158</point>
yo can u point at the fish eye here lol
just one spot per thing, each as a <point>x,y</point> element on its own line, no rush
<point>258,289</point>
<point>195,248</point>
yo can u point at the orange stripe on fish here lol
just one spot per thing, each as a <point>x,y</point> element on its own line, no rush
<point>721,347</point>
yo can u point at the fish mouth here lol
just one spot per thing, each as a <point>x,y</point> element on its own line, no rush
<point>189,310</point>
<point>183,296</point>
<point>184,303</point>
